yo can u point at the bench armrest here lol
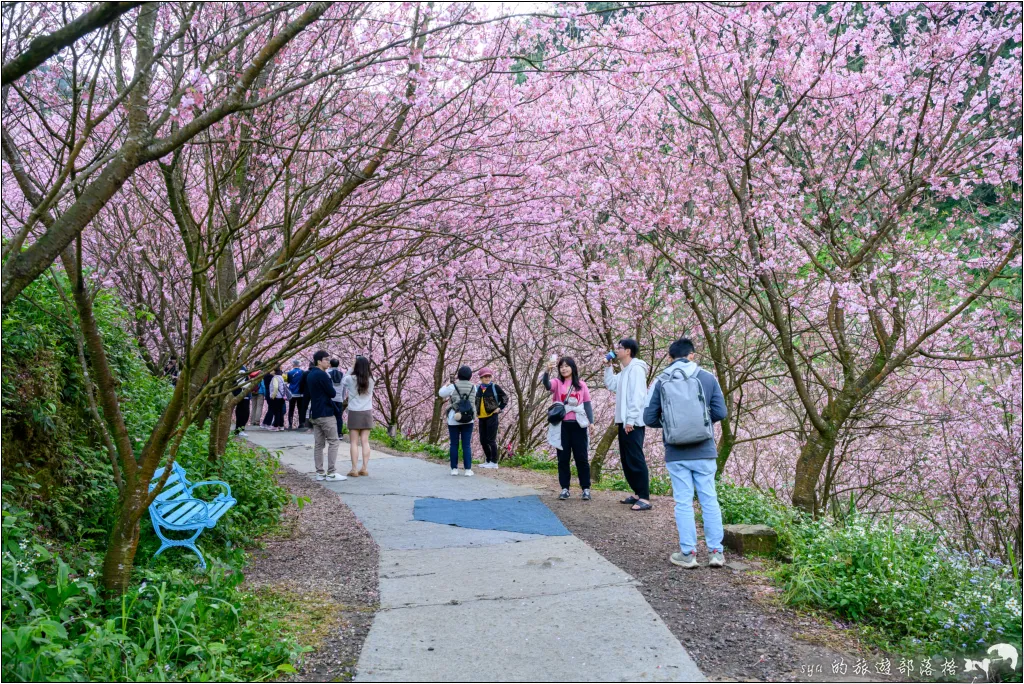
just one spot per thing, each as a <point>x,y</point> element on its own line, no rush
<point>225,485</point>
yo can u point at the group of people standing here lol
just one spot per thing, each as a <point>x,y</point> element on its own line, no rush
<point>317,398</point>
<point>685,402</point>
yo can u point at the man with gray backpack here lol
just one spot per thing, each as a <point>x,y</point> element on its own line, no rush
<point>685,402</point>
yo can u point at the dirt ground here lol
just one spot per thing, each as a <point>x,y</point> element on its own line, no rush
<point>325,560</point>
<point>730,621</point>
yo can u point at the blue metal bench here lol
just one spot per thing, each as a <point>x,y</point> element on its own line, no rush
<point>176,508</point>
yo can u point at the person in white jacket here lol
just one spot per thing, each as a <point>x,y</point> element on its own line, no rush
<point>630,388</point>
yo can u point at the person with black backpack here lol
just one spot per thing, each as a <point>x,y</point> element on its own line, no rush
<point>460,393</point>
<point>337,377</point>
<point>686,402</point>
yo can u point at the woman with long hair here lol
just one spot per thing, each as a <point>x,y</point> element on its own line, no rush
<point>359,388</point>
<point>276,399</point>
<point>567,388</point>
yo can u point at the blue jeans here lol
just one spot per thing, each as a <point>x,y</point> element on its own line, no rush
<point>686,475</point>
<point>464,432</point>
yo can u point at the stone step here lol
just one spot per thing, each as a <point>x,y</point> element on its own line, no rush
<point>757,540</point>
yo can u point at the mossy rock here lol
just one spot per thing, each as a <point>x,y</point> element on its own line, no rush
<point>753,540</point>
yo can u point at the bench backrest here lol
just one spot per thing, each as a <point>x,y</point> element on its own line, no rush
<point>176,487</point>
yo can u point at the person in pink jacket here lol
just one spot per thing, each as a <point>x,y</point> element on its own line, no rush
<point>567,388</point>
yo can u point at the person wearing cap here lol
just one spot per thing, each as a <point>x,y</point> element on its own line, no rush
<point>491,401</point>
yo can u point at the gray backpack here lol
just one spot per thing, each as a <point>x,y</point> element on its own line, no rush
<point>684,409</point>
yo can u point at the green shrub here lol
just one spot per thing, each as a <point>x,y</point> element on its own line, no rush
<point>399,442</point>
<point>532,461</point>
<point>745,505</point>
<point>52,453</point>
<point>661,485</point>
<point>175,625</point>
<point>59,499</point>
<point>904,583</point>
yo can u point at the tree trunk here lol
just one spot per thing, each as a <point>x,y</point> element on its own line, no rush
<point>601,452</point>
<point>124,541</point>
<point>813,455</point>
<point>220,431</point>
<point>437,410</point>
<point>725,446</point>
<point>523,424</point>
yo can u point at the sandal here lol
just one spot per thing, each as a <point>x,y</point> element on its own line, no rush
<point>642,506</point>
<point>353,473</point>
<point>629,500</point>
<point>363,473</point>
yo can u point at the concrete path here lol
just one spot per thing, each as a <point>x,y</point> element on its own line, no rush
<point>460,604</point>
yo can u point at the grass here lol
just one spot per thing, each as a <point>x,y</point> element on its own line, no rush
<point>173,624</point>
<point>907,591</point>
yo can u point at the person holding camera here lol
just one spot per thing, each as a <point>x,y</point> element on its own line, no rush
<point>358,386</point>
<point>630,388</point>
<point>460,393</point>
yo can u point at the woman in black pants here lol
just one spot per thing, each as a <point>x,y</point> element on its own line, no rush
<point>579,416</point>
<point>268,420</point>
<point>490,402</point>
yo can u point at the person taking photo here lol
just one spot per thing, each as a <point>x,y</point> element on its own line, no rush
<point>630,388</point>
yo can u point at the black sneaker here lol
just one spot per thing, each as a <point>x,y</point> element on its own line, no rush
<point>564,495</point>
<point>586,495</point>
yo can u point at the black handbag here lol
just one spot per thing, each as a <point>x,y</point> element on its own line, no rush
<point>556,412</point>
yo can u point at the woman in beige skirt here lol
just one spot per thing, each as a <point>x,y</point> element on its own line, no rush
<point>359,389</point>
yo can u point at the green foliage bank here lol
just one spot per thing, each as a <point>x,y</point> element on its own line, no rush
<point>175,623</point>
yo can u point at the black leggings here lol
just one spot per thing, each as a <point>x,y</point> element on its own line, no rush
<point>489,438</point>
<point>276,411</point>
<point>295,403</point>
<point>241,415</point>
<point>574,445</point>
<point>338,413</point>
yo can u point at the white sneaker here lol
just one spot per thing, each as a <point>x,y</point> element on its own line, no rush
<point>455,471</point>
<point>469,473</point>
<point>243,433</point>
<point>336,477</point>
<point>320,477</point>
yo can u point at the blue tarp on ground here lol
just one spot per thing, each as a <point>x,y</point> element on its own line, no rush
<point>526,514</point>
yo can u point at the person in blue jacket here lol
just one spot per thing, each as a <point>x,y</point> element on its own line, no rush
<point>692,466</point>
<point>294,379</point>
